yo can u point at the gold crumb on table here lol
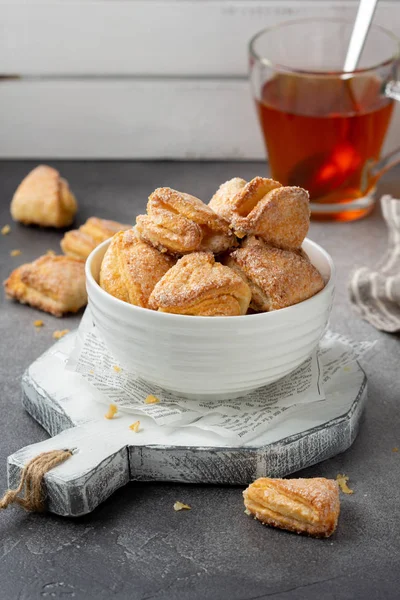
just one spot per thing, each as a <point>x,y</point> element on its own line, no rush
<point>5,230</point>
<point>112,411</point>
<point>181,506</point>
<point>135,426</point>
<point>395,449</point>
<point>342,481</point>
<point>38,323</point>
<point>59,333</point>
<point>15,252</point>
<point>117,369</point>
<point>151,399</point>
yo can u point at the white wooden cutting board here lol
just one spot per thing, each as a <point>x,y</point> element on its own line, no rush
<point>107,454</point>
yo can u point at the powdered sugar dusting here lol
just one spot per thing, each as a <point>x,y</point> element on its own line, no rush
<point>284,277</point>
<point>196,278</point>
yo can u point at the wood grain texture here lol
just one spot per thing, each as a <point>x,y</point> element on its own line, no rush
<point>129,118</point>
<point>150,38</point>
<point>107,454</point>
<point>143,79</point>
<point>138,118</point>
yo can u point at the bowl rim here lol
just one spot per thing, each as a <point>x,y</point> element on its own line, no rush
<point>90,280</point>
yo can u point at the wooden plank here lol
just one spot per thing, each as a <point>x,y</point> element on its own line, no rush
<point>137,119</point>
<point>128,119</point>
<point>170,38</point>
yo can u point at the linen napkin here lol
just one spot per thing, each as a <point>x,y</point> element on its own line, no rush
<point>375,293</point>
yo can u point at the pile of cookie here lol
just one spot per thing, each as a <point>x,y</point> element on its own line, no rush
<point>239,254</point>
<point>54,284</point>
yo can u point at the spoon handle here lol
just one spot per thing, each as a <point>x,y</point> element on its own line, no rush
<point>365,13</point>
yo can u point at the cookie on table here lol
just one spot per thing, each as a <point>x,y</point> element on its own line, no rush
<point>80,242</point>
<point>308,506</point>
<point>54,284</point>
<point>44,198</point>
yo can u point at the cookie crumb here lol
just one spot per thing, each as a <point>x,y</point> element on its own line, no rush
<point>342,481</point>
<point>15,252</point>
<point>59,333</point>
<point>112,411</point>
<point>181,506</point>
<point>135,426</point>
<point>395,449</point>
<point>117,369</point>
<point>38,323</point>
<point>5,230</point>
<point>50,252</point>
<point>151,399</point>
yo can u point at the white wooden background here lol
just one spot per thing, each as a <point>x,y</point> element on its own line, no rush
<point>140,79</point>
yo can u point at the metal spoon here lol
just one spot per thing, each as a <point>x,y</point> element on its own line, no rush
<point>365,13</point>
<point>310,173</point>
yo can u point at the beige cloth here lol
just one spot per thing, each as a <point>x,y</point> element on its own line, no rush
<point>375,293</point>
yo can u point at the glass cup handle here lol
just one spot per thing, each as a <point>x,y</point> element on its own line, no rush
<point>392,89</point>
<point>378,168</point>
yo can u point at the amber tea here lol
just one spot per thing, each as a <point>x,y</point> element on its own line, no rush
<point>324,128</point>
<point>322,133</point>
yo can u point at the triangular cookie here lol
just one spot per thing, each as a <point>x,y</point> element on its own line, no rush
<point>131,268</point>
<point>44,198</point>
<point>180,223</point>
<point>55,284</point>
<point>80,242</point>
<point>277,278</point>
<point>197,285</point>
<point>308,506</point>
<point>279,215</point>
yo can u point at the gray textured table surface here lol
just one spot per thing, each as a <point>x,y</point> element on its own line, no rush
<point>135,545</point>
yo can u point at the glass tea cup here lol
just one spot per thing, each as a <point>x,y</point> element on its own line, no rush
<point>324,128</point>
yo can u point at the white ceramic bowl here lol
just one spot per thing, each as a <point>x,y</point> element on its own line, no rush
<point>210,357</point>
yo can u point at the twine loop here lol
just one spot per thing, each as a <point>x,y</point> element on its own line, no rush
<point>31,483</point>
